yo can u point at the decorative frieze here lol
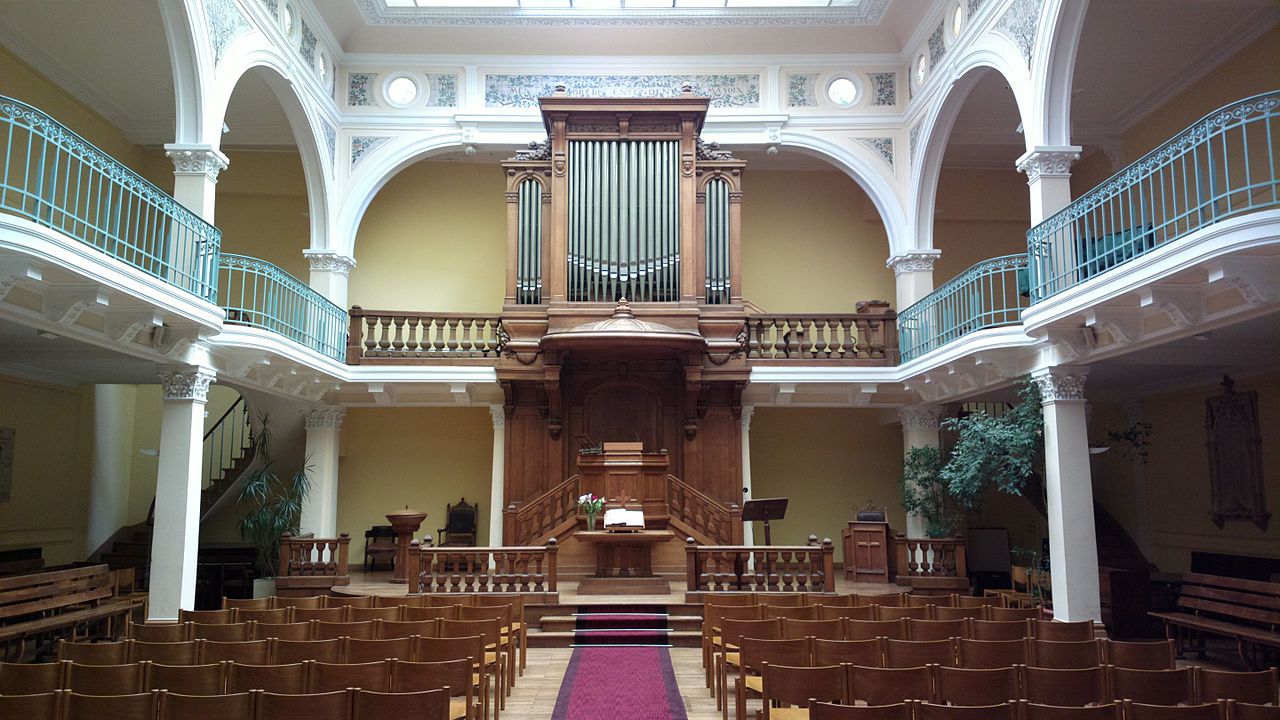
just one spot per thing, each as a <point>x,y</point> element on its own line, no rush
<point>1020,23</point>
<point>881,146</point>
<point>915,261</point>
<point>726,90</point>
<point>327,418</point>
<point>330,140</point>
<point>913,136</point>
<point>442,90</point>
<point>196,160</point>
<point>360,89</point>
<point>1058,384</point>
<point>380,12</point>
<point>937,47</point>
<point>323,261</point>
<point>1045,162</point>
<point>884,88</point>
<point>187,383</point>
<point>920,417</point>
<point>802,90</point>
<point>307,48</point>
<point>225,23</point>
<point>363,145</point>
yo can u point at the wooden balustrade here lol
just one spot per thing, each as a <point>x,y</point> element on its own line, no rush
<point>697,514</point>
<point>931,563</point>
<point>772,568</point>
<point>309,565</point>
<point>407,338</point>
<point>485,569</point>
<point>543,517</point>
<point>866,338</point>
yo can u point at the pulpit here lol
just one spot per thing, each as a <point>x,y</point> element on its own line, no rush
<point>405,522</point>
<point>622,471</point>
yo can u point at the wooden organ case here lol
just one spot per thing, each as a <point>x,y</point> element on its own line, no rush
<point>623,314</point>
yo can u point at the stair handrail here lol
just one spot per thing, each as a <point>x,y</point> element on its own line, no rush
<point>238,429</point>
<point>730,515</point>
<point>515,518</point>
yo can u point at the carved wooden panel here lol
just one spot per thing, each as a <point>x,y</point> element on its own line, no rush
<point>1235,457</point>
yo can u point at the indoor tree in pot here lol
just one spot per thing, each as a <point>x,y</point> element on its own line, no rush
<point>275,503</point>
<point>925,492</point>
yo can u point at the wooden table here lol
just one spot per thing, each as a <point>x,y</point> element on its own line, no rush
<point>624,563</point>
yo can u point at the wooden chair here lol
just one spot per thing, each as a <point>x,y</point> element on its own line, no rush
<point>277,615</point>
<point>493,658</point>
<point>964,686</point>
<point>960,613</point>
<point>825,629</point>
<point>868,653</point>
<point>209,679</point>
<point>504,615</point>
<point>979,654</point>
<point>867,629</point>
<point>123,679</point>
<point>31,678</point>
<point>1037,711</point>
<point>891,599</point>
<point>998,629</point>
<point>359,651</point>
<point>714,617</point>
<point>1047,686</point>
<point>263,603</point>
<point>284,631</point>
<point>754,654</point>
<point>348,601</point>
<point>455,648</point>
<point>325,614</point>
<point>732,632</point>
<point>169,653</point>
<point>799,612</point>
<point>1157,655</point>
<point>860,612</point>
<point>331,677</point>
<point>331,630</point>
<point>133,706</point>
<point>1006,614</point>
<point>387,629</point>
<point>104,653</point>
<point>426,705</point>
<point>1001,711</point>
<point>913,653</point>
<point>889,612</point>
<point>1141,711</point>
<point>776,600</point>
<point>1064,655</point>
<point>157,632</point>
<point>983,601</point>
<point>936,629</point>
<point>314,706</point>
<point>518,621</point>
<point>249,652</point>
<point>782,686</point>
<point>1239,711</point>
<point>233,706</point>
<point>455,677</point>
<point>447,612</point>
<point>725,599</point>
<point>1153,687</point>
<point>833,600</point>
<point>448,599</point>
<point>379,543</point>
<point>397,600</point>
<point>295,651</point>
<point>222,632</point>
<point>460,525</point>
<point>833,711</point>
<point>356,614</point>
<point>310,602</point>
<point>1259,688</point>
<point>33,706</point>
<point>208,617</point>
<point>886,686</point>
<point>289,678</point>
<point>915,600</point>
<point>1062,631</point>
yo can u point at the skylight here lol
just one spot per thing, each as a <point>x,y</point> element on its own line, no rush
<point>598,5</point>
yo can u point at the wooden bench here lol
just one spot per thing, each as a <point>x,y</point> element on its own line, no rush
<point>57,602</point>
<point>1246,610</point>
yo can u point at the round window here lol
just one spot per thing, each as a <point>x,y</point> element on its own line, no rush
<point>957,20</point>
<point>842,92</point>
<point>402,90</point>
<point>287,19</point>
<point>322,66</point>
<point>920,69</point>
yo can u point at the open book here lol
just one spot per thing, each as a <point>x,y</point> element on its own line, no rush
<point>625,520</point>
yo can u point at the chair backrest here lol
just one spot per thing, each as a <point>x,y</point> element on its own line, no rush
<point>276,615</point>
<point>890,612</point>
<point>891,599</point>
<point>285,631</point>
<point>186,652</point>
<point>105,679</point>
<point>917,600</point>
<point>780,599</point>
<point>179,706</point>
<point>798,612</point>
<point>868,653</point>
<point>1062,631</point>
<point>407,628</point>
<point>356,614</point>
<point>208,679</point>
<point>979,654</point>
<point>420,676</point>
<point>209,617</point>
<point>1038,711</point>
<point>833,711</point>
<point>913,653</point>
<point>725,599</point>
<point>222,632</point>
<point>1001,711</point>
<point>826,629</point>
<point>885,686</point>
<point>460,518</point>
<point>490,630</point>
<point>1079,687</point>
<point>1259,688</point>
<point>1153,687</point>
<point>450,599</point>
<point>860,612</point>
<point>34,706</point>
<point>249,652</point>
<point>969,601</point>
<point>936,629</point>
<point>429,705</point>
<point>732,631</point>
<point>1205,711</point>
<point>327,614</point>
<point>866,629</point>
<point>131,706</point>
<point>397,600</point>
<point>313,706</point>
<point>359,650</point>
<point>1065,654</point>
<point>328,677</point>
<point>309,602</point>
<point>998,629</point>
<point>296,651</point>
<point>1007,614</point>
<point>447,612</point>
<point>330,630</point>
<point>348,601</point>
<point>261,603</point>
<point>30,678</point>
<point>451,648</point>
<point>798,685</point>
<point>1158,655</point>
<point>104,653</point>
<point>964,686</point>
<point>501,613</point>
<point>158,632</point>
<point>1243,711</point>
<point>963,612</point>
<point>833,600</point>
<point>287,678</point>
<point>756,652</point>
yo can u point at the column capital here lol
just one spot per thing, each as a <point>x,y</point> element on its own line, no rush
<point>326,261</point>
<point>186,383</point>
<point>1048,162</point>
<point>498,415</point>
<point>747,412</point>
<point>920,417</point>
<point>203,160</point>
<point>1058,384</point>
<point>322,418</point>
<point>913,261</point>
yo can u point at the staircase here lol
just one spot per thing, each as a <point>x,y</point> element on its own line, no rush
<point>677,625</point>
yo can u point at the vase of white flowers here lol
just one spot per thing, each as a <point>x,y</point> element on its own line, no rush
<point>591,505</point>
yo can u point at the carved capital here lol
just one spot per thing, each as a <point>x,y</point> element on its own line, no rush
<point>1048,162</point>
<point>920,417</point>
<point>324,418</point>
<point>325,261</point>
<point>498,414</point>
<point>196,160</point>
<point>187,383</point>
<point>914,261</point>
<point>747,412</point>
<point>1060,384</point>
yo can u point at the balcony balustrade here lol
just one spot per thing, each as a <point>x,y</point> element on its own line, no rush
<point>258,294</point>
<point>988,294</point>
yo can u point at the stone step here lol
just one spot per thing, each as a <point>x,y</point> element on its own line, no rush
<point>677,638</point>
<point>568,623</point>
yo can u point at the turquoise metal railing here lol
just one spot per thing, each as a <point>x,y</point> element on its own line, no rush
<point>988,294</point>
<point>55,178</point>
<point>1222,166</point>
<point>258,294</point>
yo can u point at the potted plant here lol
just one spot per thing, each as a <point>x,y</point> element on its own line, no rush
<point>591,506</point>
<point>925,492</point>
<point>275,506</point>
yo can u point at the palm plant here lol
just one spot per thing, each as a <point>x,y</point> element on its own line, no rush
<point>275,503</point>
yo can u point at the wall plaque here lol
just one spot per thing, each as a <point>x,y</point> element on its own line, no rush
<point>1235,457</point>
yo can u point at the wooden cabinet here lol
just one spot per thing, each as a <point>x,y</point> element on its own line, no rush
<point>866,551</point>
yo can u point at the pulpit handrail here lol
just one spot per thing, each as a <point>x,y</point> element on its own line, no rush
<point>530,505</point>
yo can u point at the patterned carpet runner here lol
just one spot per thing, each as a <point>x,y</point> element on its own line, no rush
<point>625,625</point>
<point>631,682</point>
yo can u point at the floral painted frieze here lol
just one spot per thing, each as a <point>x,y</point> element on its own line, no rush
<point>1020,23</point>
<point>802,90</point>
<point>937,48</point>
<point>362,145</point>
<point>330,140</point>
<point>308,47</point>
<point>360,89</point>
<point>225,23</point>
<point>442,90</point>
<point>884,88</point>
<point>913,137</point>
<point>740,90</point>
<point>881,146</point>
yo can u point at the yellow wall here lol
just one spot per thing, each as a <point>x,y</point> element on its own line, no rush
<point>827,462</point>
<point>811,242</point>
<point>420,457</point>
<point>980,214</point>
<point>262,208</point>
<point>434,238</point>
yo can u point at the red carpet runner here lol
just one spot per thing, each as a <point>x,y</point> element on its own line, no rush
<point>619,683</point>
<point>634,625</point>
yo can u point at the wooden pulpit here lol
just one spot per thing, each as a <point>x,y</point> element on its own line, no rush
<point>623,472</point>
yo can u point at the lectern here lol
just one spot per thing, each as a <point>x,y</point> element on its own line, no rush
<point>624,472</point>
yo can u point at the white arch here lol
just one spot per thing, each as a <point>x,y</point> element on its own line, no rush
<point>992,53</point>
<point>190,69</point>
<point>1053,73</point>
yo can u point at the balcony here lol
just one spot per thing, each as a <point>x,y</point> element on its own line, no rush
<point>256,293</point>
<point>990,294</point>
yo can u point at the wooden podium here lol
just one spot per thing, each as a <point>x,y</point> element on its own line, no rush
<point>624,564</point>
<point>623,472</point>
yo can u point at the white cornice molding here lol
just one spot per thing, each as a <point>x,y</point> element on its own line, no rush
<point>582,65</point>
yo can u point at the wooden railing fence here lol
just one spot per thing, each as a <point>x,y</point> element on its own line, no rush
<point>773,568</point>
<point>310,564</point>
<point>406,338</point>
<point>545,516</point>
<point>698,514</point>
<point>492,569</point>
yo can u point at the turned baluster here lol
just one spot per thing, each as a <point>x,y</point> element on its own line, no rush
<point>864,332</point>
<point>876,338</point>
<point>754,329</point>
<point>384,334</point>
<point>821,339</point>
<point>451,345</point>
<point>397,341</point>
<point>913,565</point>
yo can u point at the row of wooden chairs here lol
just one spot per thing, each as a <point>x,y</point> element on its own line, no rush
<point>367,601</point>
<point>337,614</point>
<point>847,684</point>
<point>270,651</point>
<point>851,600</point>
<point>346,704</point>
<point>1023,710</point>
<point>880,612</point>
<point>302,630</point>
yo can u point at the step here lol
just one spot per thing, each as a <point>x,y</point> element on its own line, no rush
<point>117,560</point>
<point>558,639</point>
<point>568,623</point>
<point>131,547</point>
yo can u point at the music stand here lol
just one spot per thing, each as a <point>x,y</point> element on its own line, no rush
<point>764,510</point>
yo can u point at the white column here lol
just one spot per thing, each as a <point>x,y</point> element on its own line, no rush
<point>330,273</point>
<point>320,507</point>
<point>497,478</point>
<point>176,534</point>
<point>1073,546</point>
<point>913,276</point>
<point>1048,172</point>
<point>195,176</point>
<point>919,429</point>
<point>749,529</point>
